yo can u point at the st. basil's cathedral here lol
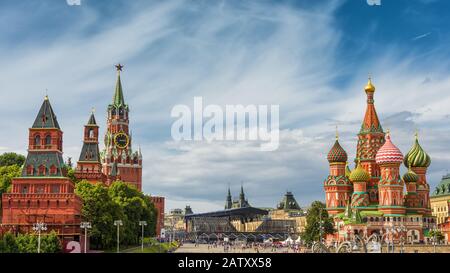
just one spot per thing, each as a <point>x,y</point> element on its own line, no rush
<point>44,193</point>
<point>374,198</point>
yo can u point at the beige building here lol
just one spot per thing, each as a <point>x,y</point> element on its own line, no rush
<point>440,200</point>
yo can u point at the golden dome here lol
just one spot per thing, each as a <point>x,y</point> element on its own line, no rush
<point>369,87</point>
<point>359,174</point>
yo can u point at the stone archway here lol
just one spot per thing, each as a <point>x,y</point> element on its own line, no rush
<point>413,236</point>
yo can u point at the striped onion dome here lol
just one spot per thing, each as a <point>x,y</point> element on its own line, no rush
<point>417,157</point>
<point>388,153</point>
<point>337,153</point>
<point>359,174</point>
<point>410,177</point>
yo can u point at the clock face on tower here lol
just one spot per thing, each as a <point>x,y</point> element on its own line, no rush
<point>121,140</point>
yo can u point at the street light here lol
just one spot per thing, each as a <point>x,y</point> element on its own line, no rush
<point>85,225</point>
<point>118,223</point>
<point>435,230</point>
<point>142,224</point>
<point>402,230</point>
<point>39,227</point>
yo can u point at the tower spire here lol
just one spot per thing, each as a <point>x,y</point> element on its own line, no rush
<point>118,99</point>
<point>371,122</point>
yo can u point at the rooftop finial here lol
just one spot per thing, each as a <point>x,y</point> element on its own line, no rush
<point>337,133</point>
<point>119,67</point>
<point>416,134</point>
<point>92,110</point>
<point>370,87</point>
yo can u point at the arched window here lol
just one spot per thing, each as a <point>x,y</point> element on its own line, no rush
<point>37,140</point>
<point>53,170</point>
<point>48,140</point>
<point>30,170</point>
<point>42,170</point>
<point>91,133</point>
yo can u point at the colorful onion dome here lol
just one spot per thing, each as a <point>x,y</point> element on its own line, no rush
<point>410,176</point>
<point>359,174</point>
<point>417,157</point>
<point>337,154</point>
<point>388,153</point>
<point>369,87</point>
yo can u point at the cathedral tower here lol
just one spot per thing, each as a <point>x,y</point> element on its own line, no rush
<point>89,166</point>
<point>338,188</point>
<point>118,159</point>
<point>370,139</point>
<point>419,161</point>
<point>390,187</point>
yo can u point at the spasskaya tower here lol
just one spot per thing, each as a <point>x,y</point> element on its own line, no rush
<point>119,161</point>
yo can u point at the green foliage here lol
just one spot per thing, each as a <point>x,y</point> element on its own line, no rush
<point>317,213</point>
<point>28,243</point>
<point>102,205</point>
<point>8,244</point>
<point>71,175</point>
<point>101,211</point>
<point>7,173</point>
<point>436,234</point>
<point>136,207</point>
<point>10,159</point>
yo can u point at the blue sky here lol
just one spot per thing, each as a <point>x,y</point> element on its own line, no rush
<point>310,57</point>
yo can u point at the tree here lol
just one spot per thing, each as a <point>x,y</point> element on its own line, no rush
<point>436,234</point>
<point>7,173</point>
<point>101,211</point>
<point>316,213</point>
<point>71,175</point>
<point>102,206</point>
<point>27,243</point>
<point>8,244</point>
<point>137,207</point>
<point>10,159</point>
<point>50,243</point>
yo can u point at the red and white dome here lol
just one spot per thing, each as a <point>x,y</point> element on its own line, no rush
<point>388,153</point>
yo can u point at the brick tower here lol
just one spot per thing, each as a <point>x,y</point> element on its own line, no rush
<point>43,193</point>
<point>419,161</point>
<point>89,166</point>
<point>338,188</point>
<point>391,185</point>
<point>370,139</point>
<point>119,161</point>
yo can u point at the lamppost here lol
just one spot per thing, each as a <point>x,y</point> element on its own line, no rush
<point>142,224</point>
<point>85,225</point>
<point>435,230</point>
<point>402,230</point>
<point>118,223</point>
<point>39,227</point>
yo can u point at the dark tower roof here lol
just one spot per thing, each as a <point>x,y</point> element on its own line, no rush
<point>46,118</point>
<point>91,120</point>
<point>228,201</point>
<point>188,210</point>
<point>288,202</point>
